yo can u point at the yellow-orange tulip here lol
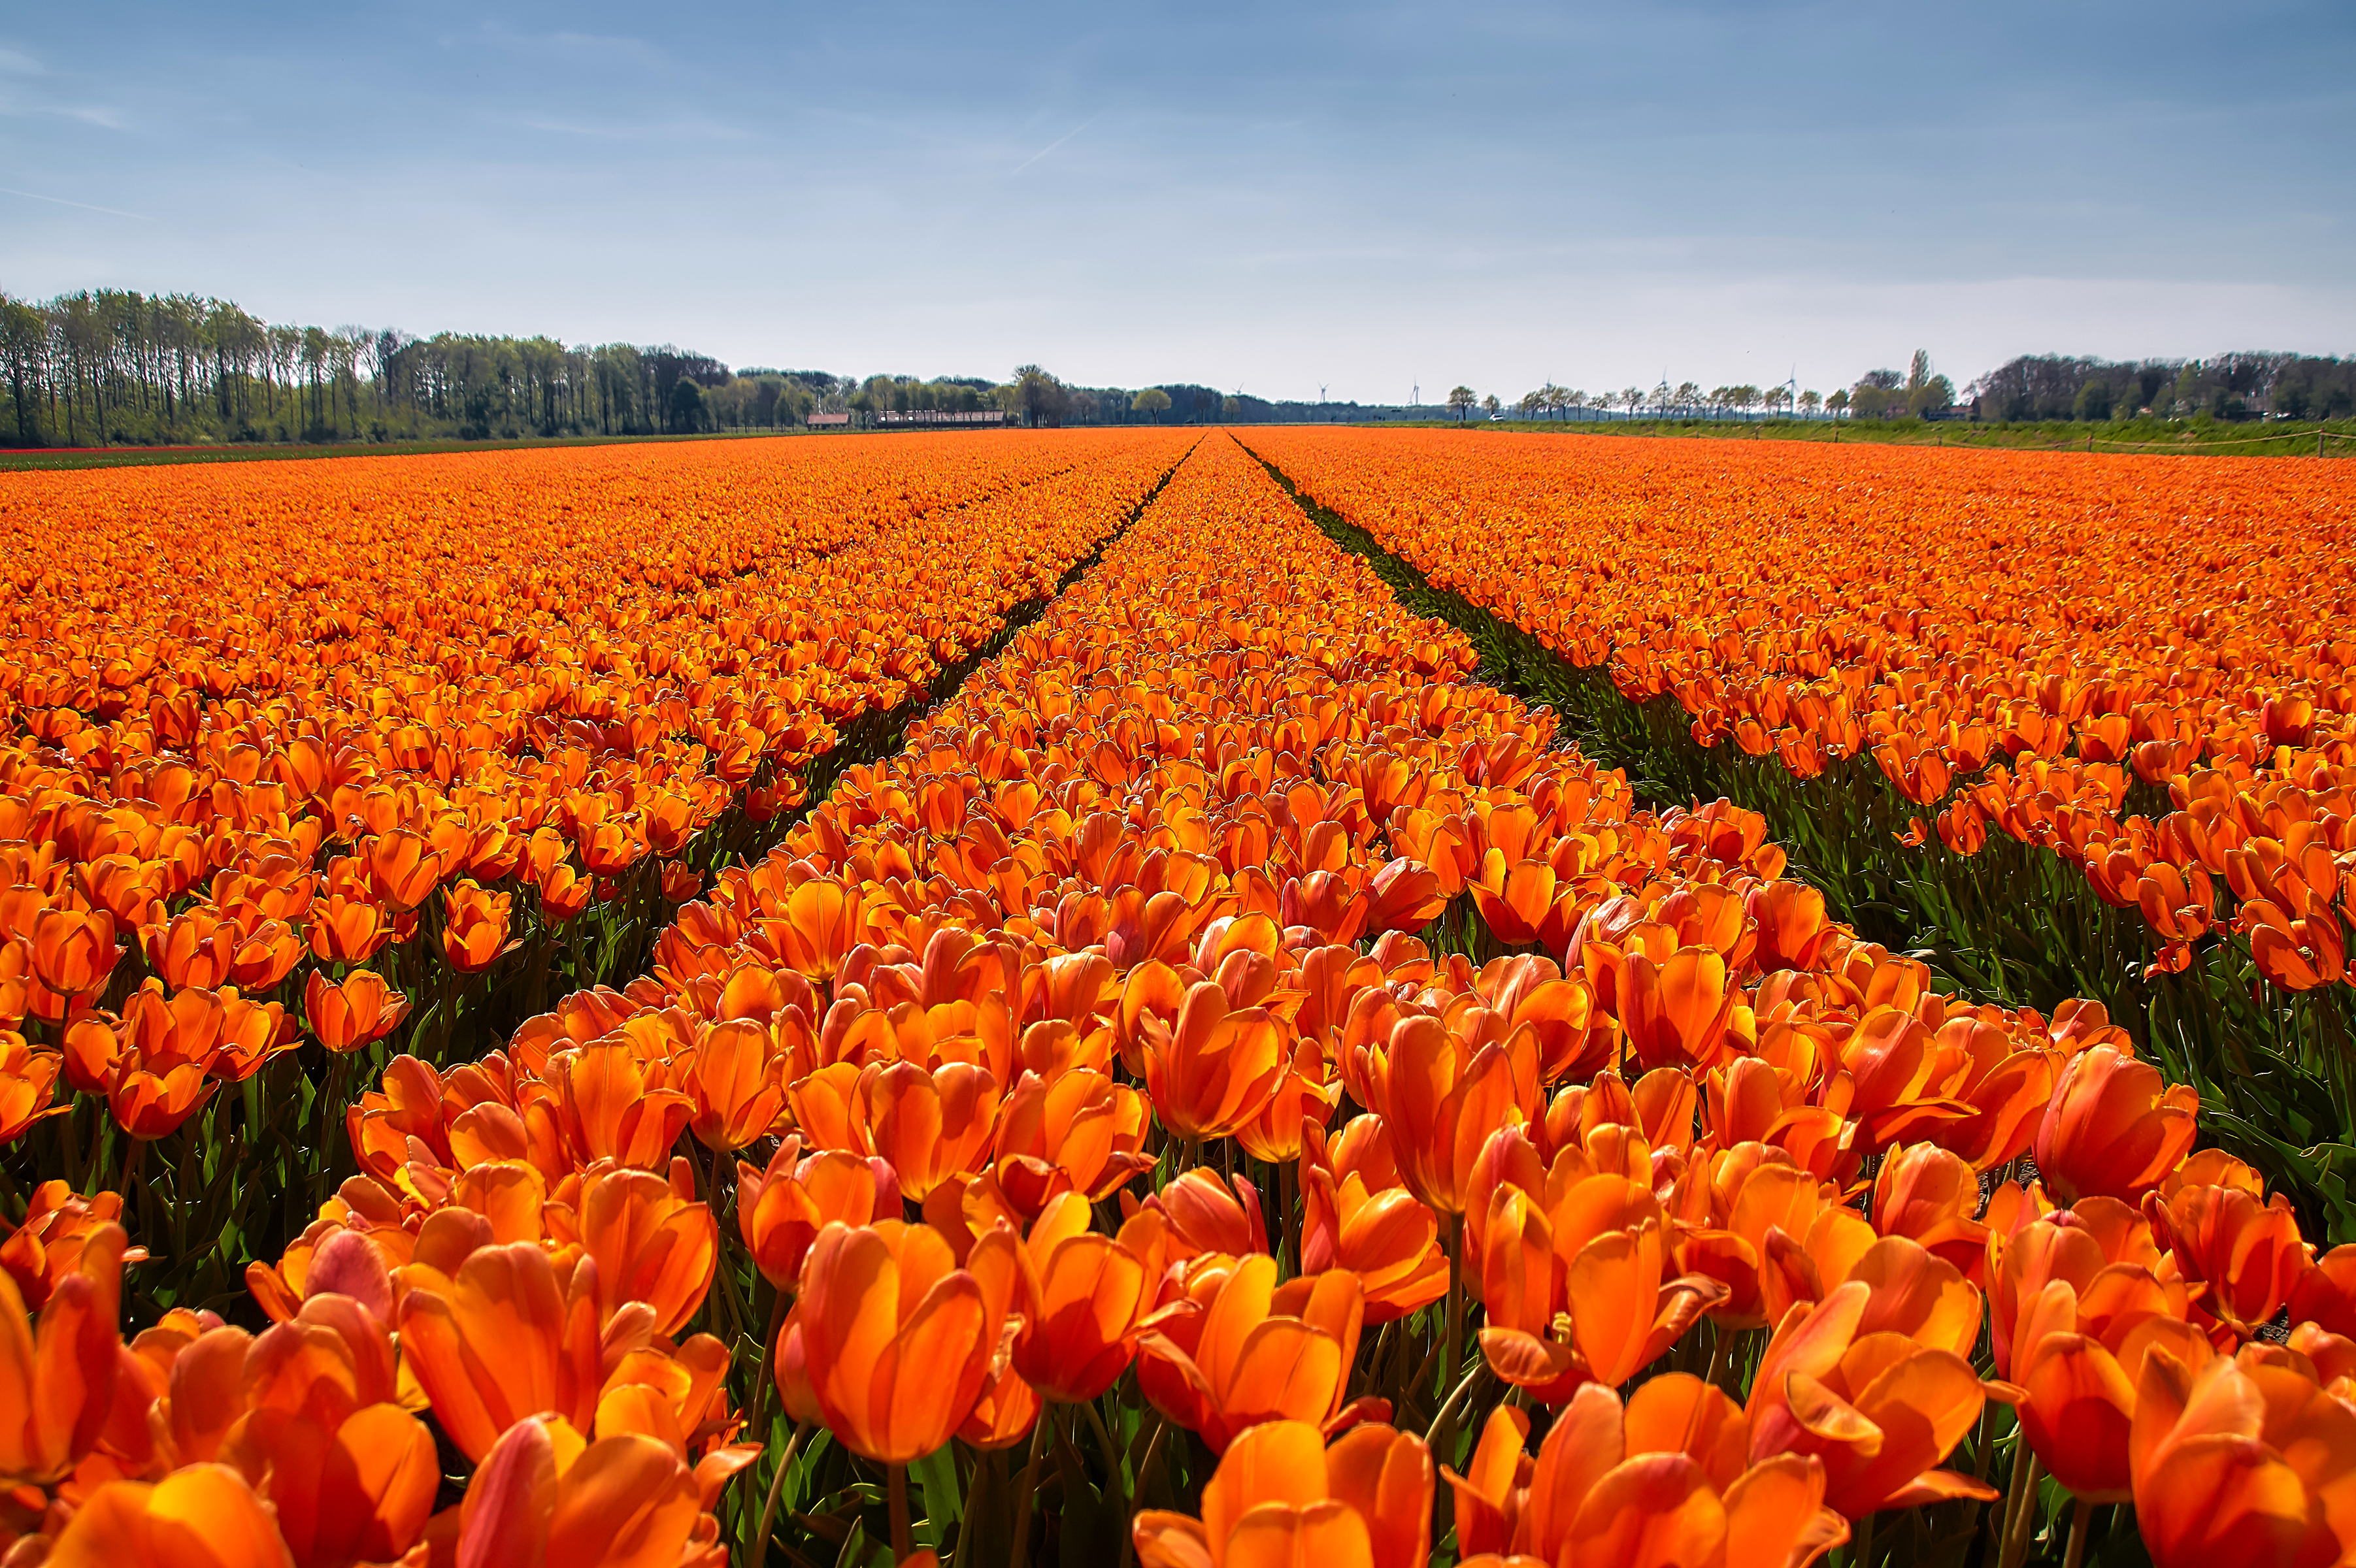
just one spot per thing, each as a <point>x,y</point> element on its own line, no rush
<point>205,1516</point>
<point>781,1209</point>
<point>1283,1498</point>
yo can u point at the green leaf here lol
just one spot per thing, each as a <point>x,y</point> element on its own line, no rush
<point>936,1478</point>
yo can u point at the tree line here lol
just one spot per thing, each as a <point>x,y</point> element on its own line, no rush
<point>114,366</point>
<point>109,367</point>
<point>2030,387</point>
<point>2232,385</point>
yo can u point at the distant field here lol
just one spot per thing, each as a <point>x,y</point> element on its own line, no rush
<point>2051,436</point>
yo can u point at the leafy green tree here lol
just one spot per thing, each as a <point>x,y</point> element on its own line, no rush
<point>1152,402</point>
<point>1038,397</point>
<point>1461,399</point>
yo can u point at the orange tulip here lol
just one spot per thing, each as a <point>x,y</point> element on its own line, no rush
<point>1239,1350</point>
<point>27,1080</point>
<point>1205,1215</point>
<point>1769,1232</point>
<point>1301,1096</point>
<point>1676,1012</point>
<point>733,1077</point>
<point>1282,1497</point>
<point>356,1012</point>
<point>1932,1197</point>
<point>402,868</point>
<point>2239,1462</point>
<point>2242,1259</point>
<point>614,1106</point>
<point>563,892</point>
<point>350,1474</point>
<point>2078,1354</point>
<point>928,1126</point>
<point>1212,1071</point>
<point>74,950</point>
<point>149,1103</point>
<point>543,1495</point>
<point>781,1209</point>
<point>474,927</point>
<point>347,929</point>
<point>1079,1127</point>
<point>889,1342</point>
<point>1624,1308</point>
<point>57,1375</point>
<point>1440,1099</point>
<point>205,1516</point>
<point>823,920</point>
<point>47,1247</point>
<point>2114,1128</point>
<point>1879,1408</point>
<point>1389,1239</point>
<point>1664,1484</point>
<point>649,1245</point>
<point>503,1343</point>
<point>1085,1299</point>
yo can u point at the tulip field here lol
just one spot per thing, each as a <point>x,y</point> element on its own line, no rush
<point>1181,998</point>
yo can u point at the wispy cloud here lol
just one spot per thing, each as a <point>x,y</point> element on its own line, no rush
<point>1053,144</point>
<point>86,206</point>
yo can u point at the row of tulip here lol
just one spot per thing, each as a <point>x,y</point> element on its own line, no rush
<point>2157,762</point>
<point>253,854</point>
<point>1227,1074</point>
<point>2051,632</point>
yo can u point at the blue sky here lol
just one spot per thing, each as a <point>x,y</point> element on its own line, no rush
<point>1280,199</point>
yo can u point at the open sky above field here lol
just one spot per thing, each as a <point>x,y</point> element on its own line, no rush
<point>1362,198</point>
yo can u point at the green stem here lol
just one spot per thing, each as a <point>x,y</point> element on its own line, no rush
<point>1448,1407</point>
<point>2024,1523</point>
<point>776,1487</point>
<point>1455,1339</point>
<point>2075,1554</point>
<point>761,1388</point>
<point>1022,1552</point>
<point>1111,1450</point>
